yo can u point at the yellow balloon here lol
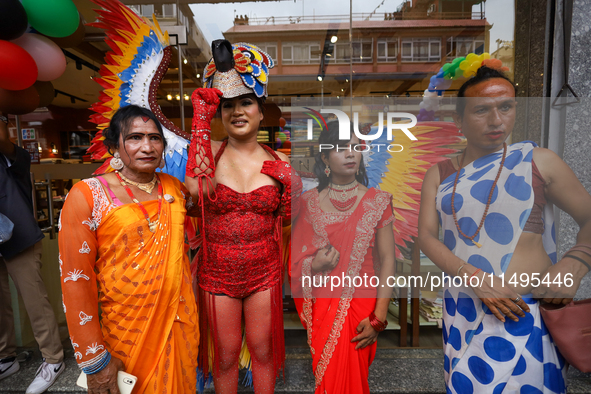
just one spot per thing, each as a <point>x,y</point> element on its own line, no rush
<point>470,57</point>
<point>464,65</point>
<point>486,55</point>
<point>469,73</point>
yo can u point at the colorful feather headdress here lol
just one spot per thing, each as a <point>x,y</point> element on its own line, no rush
<point>401,170</point>
<point>460,67</point>
<point>133,69</point>
<point>238,69</point>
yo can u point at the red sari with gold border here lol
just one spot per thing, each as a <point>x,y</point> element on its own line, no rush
<point>331,322</point>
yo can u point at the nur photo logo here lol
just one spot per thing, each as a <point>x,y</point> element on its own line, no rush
<point>393,122</point>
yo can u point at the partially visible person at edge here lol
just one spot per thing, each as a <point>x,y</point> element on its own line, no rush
<point>122,244</point>
<point>343,229</point>
<point>244,188</point>
<point>494,204</point>
<point>20,257</point>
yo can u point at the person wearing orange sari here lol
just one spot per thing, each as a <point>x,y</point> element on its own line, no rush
<point>343,231</point>
<point>122,245</point>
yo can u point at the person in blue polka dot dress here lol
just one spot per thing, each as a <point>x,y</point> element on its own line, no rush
<point>494,204</point>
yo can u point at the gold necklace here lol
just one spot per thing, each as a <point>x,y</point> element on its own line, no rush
<point>147,187</point>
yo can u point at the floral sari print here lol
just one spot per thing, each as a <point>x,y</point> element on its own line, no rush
<point>483,354</point>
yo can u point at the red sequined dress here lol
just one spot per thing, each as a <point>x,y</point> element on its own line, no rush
<point>242,240</point>
<point>242,250</point>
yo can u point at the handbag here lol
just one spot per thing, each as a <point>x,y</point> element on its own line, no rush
<point>570,327</point>
<point>6,227</point>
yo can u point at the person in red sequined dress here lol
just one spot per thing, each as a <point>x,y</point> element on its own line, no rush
<point>244,188</point>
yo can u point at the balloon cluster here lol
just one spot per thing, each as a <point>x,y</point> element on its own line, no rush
<point>31,34</point>
<point>283,135</point>
<point>461,67</point>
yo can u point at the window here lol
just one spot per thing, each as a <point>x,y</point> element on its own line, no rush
<point>272,51</point>
<point>169,10</point>
<point>341,52</point>
<point>387,49</point>
<point>301,53</point>
<point>421,49</point>
<point>362,51</point>
<point>461,46</point>
<point>147,10</point>
<point>270,48</point>
<point>287,54</point>
<point>315,52</point>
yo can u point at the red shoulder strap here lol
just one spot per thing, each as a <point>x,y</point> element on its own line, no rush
<point>220,151</point>
<point>271,151</point>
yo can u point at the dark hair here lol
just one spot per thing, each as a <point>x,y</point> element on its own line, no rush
<point>121,123</point>
<point>484,73</point>
<point>331,136</point>
<point>260,101</point>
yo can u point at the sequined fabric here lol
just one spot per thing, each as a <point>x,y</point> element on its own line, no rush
<point>243,254</point>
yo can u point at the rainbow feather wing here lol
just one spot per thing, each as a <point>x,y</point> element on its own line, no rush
<point>132,72</point>
<point>402,173</point>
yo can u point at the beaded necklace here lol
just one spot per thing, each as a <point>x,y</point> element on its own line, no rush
<point>151,225</point>
<point>492,189</point>
<point>343,197</point>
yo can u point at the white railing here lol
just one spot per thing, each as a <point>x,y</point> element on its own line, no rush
<point>358,16</point>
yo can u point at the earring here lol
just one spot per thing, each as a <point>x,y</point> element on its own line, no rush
<point>162,163</point>
<point>327,171</point>
<point>357,171</point>
<point>116,163</point>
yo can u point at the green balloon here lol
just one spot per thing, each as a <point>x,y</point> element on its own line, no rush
<point>281,135</point>
<point>54,18</point>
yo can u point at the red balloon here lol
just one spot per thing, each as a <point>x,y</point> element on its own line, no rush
<point>282,122</point>
<point>18,69</point>
<point>18,102</point>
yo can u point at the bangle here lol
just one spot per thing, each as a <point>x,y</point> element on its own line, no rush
<point>586,264</point>
<point>99,366</point>
<point>588,246</point>
<point>461,266</point>
<point>376,324</point>
<point>580,248</point>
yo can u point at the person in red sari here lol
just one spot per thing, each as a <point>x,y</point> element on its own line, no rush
<point>343,230</point>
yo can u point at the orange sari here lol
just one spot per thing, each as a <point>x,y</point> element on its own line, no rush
<point>141,279</point>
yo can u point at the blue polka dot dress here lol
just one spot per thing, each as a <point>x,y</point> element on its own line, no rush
<point>483,354</point>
